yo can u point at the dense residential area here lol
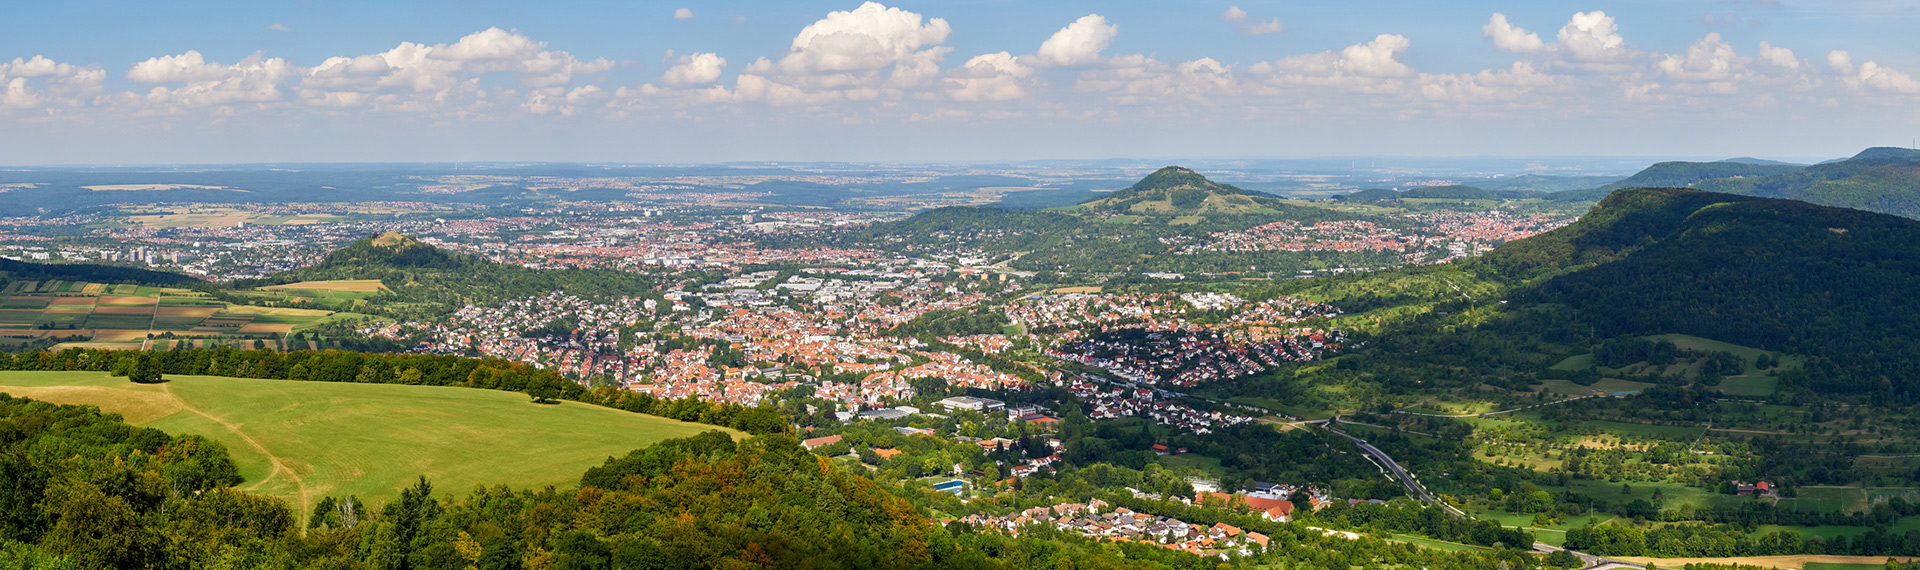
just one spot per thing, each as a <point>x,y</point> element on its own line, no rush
<point>1435,384</point>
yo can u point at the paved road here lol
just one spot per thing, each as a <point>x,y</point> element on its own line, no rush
<point>1399,473</point>
<point>1588,561</point>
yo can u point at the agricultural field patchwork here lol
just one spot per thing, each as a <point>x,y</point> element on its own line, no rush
<point>99,315</point>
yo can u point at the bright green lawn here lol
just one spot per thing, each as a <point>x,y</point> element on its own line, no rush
<point>369,440</point>
<point>1435,544</point>
<point>1750,385</point>
<point>1899,527</point>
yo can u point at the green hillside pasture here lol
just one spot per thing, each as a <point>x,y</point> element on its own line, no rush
<point>1575,362</point>
<point>1555,534</point>
<point>1753,383</point>
<point>1608,385</point>
<point>1825,499</point>
<point>1841,566</point>
<point>1749,385</point>
<point>1899,527</point>
<point>118,321</point>
<point>304,440</point>
<point>25,303</point>
<point>1424,542</point>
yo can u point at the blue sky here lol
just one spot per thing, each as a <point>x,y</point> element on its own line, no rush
<point>323,81</point>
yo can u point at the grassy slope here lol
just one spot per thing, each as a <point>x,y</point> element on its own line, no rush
<point>368,440</point>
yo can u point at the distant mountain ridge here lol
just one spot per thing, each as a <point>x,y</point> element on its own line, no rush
<point>1450,192</point>
<point>1879,179</point>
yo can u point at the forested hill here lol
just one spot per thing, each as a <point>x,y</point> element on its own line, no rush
<point>425,279</point>
<point>1832,283</point>
<point>1885,180</point>
<point>1679,174</point>
<point>22,270</point>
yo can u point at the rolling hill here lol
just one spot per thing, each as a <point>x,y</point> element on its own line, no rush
<point>424,279</point>
<point>301,441</point>
<point>1178,191</point>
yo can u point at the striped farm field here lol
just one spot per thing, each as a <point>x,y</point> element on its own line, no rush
<point>305,440</point>
<point>123,310</point>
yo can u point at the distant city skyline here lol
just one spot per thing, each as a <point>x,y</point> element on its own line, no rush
<point>650,82</point>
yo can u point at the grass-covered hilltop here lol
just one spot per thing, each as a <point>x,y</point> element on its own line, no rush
<point>1178,191</point>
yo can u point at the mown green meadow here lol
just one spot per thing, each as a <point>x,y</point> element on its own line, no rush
<point>305,440</point>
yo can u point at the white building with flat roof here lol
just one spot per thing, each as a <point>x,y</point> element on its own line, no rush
<point>971,403</point>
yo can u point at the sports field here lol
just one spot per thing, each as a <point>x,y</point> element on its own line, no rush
<point>305,440</point>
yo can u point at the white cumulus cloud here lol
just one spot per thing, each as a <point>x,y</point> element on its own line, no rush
<point>683,14</point>
<point>868,53</point>
<point>39,82</point>
<point>1780,57</point>
<point>989,77</point>
<point>1366,67</point>
<point>1078,44</point>
<point>1517,80</point>
<point>1511,38</point>
<point>256,79</point>
<point>1593,37</point>
<point>1870,75</point>
<point>424,77</point>
<point>1710,59</point>
<point>1254,28</point>
<point>1376,58</point>
<point>696,69</point>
